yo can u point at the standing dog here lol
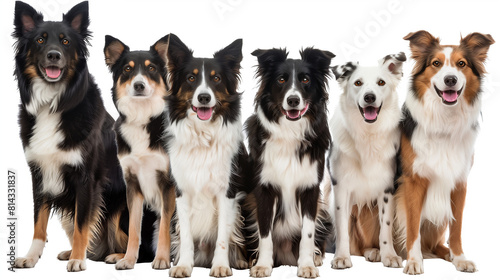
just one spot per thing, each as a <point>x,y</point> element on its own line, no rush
<point>288,137</point>
<point>208,158</point>
<point>67,137</point>
<point>362,160</point>
<point>139,92</point>
<point>439,129</point>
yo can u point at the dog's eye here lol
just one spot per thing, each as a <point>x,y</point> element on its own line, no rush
<point>127,69</point>
<point>216,79</point>
<point>358,83</point>
<point>305,80</point>
<point>65,42</point>
<point>281,80</point>
<point>462,63</point>
<point>381,83</point>
<point>436,63</point>
<point>191,78</point>
<point>151,69</point>
<point>40,40</point>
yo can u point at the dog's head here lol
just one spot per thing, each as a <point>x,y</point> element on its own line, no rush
<point>292,88</point>
<point>448,71</point>
<point>368,87</point>
<point>51,49</point>
<point>138,76</point>
<point>204,88</point>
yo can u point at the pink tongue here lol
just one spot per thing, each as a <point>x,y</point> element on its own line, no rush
<point>293,114</point>
<point>53,72</point>
<point>204,113</point>
<point>370,113</point>
<point>450,96</point>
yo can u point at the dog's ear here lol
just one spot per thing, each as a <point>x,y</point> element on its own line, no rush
<point>78,18</point>
<point>231,56</point>
<point>477,44</point>
<point>177,53</point>
<point>161,47</point>
<point>269,58</point>
<point>113,49</point>
<point>320,60</point>
<point>394,63</point>
<point>421,42</point>
<point>342,72</point>
<point>26,18</point>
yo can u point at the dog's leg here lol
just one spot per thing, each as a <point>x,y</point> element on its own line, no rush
<point>386,214</point>
<point>80,237</point>
<point>265,218</point>
<point>226,218</point>
<point>309,205</point>
<point>342,210</point>
<point>42,212</point>
<point>185,264</point>
<point>135,202</point>
<point>414,201</point>
<point>162,258</point>
<point>457,207</point>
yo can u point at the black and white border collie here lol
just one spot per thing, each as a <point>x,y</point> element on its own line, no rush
<point>207,158</point>
<point>139,92</point>
<point>439,129</point>
<point>288,137</point>
<point>362,160</point>
<point>67,137</point>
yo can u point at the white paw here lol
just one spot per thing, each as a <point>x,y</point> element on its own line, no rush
<point>465,265</point>
<point>160,263</point>
<point>220,271</point>
<point>260,271</point>
<point>76,265</point>
<point>180,271</point>
<point>27,262</point>
<point>372,255</point>
<point>392,261</point>
<point>414,267</point>
<point>64,255</point>
<point>113,258</point>
<point>125,263</point>
<point>308,272</point>
<point>341,262</point>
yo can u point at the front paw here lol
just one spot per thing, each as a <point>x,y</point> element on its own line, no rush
<point>392,261</point>
<point>372,255</point>
<point>113,258</point>
<point>414,267</point>
<point>27,262</point>
<point>125,263</point>
<point>64,255</point>
<point>260,271</point>
<point>220,271</point>
<point>465,265</point>
<point>341,262</point>
<point>308,272</point>
<point>76,265</point>
<point>180,271</point>
<point>160,263</point>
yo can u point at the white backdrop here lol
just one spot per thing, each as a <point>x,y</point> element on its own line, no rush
<point>353,30</point>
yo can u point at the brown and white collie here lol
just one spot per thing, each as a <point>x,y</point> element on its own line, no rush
<point>439,128</point>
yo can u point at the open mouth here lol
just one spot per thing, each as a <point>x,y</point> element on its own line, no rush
<point>52,73</point>
<point>204,113</point>
<point>370,113</point>
<point>449,97</point>
<point>295,115</point>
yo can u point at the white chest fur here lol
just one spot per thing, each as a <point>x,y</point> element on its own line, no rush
<point>201,153</point>
<point>44,151</point>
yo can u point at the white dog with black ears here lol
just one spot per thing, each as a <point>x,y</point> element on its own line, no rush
<point>362,160</point>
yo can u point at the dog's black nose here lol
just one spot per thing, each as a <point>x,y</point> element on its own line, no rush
<point>370,98</point>
<point>450,80</point>
<point>204,98</point>
<point>139,86</point>
<point>293,101</point>
<point>54,56</point>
